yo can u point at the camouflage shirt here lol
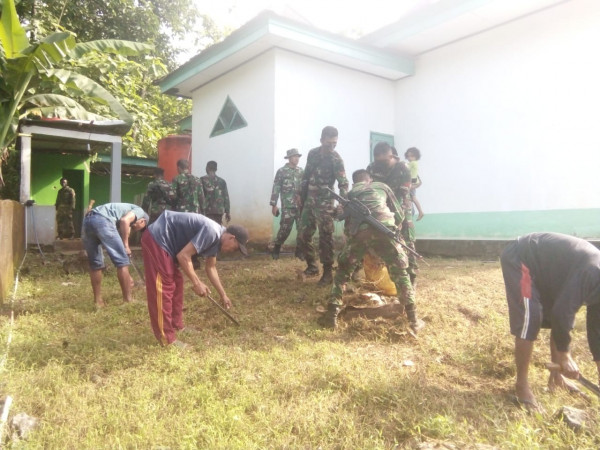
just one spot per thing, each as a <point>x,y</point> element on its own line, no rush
<point>380,200</point>
<point>188,192</point>
<point>215,194</point>
<point>159,196</point>
<point>65,197</point>
<point>322,170</point>
<point>287,185</point>
<point>396,177</point>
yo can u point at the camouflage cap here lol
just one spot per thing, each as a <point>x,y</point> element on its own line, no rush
<point>292,152</point>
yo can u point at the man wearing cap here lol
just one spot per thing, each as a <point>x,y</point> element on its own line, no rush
<point>171,241</point>
<point>109,226</point>
<point>287,185</point>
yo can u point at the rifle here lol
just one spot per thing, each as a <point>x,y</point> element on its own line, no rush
<point>359,213</point>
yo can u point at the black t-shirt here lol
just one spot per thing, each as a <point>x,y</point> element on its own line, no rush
<point>566,271</point>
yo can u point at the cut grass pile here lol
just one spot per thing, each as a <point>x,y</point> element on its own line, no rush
<point>98,378</point>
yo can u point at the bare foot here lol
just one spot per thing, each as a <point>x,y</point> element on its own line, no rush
<point>100,303</point>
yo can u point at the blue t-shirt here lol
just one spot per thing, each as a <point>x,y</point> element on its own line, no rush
<point>173,230</point>
<point>114,211</point>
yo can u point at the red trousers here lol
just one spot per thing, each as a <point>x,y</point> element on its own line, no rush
<point>164,290</point>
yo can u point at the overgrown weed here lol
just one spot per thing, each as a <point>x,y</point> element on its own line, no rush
<point>98,378</point>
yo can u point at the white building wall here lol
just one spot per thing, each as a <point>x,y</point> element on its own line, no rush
<point>507,119</point>
<point>244,156</point>
<point>311,94</point>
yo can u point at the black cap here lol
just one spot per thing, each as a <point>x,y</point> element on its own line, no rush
<point>241,236</point>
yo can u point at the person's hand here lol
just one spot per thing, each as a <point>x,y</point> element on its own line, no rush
<point>128,250</point>
<point>227,217</point>
<point>201,289</point>
<point>226,302</point>
<point>275,210</point>
<point>568,367</point>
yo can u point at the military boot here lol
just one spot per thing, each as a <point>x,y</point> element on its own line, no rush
<point>411,314</point>
<point>327,277</point>
<point>275,251</point>
<point>329,319</point>
<point>299,253</point>
<point>311,270</point>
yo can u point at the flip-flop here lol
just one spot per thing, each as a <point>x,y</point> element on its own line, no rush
<point>528,405</point>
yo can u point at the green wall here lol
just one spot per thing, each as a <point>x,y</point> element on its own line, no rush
<point>132,188</point>
<point>47,170</point>
<point>584,223</point>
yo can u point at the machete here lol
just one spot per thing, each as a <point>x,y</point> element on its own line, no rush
<point>224,311</point>
<point>584,381</point>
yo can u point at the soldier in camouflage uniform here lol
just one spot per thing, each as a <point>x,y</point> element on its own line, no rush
<point>65,204</point>
<point>387,168</point>
<point>215,194</point>
<point>324,166</point>
<point>384,206</point>
<point>287,184</point>
<point>159,196</point>
<point>188,190</point>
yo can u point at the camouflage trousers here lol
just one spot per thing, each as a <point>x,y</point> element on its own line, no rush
<point>289,216</point>
<point>314,217</point>
<point>408,234</point>
<point>64,222</point>
<point>387,249</point>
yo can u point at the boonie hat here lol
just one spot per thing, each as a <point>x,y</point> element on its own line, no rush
<point>241,236</point>
<point>292,152</point>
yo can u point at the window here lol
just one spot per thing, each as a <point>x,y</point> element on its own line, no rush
<point>229,119</point>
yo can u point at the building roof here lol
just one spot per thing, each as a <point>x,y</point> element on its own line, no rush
<point>267,31</point>
<point>388,52</point>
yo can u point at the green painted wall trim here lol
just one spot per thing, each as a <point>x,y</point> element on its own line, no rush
<point>584,223</point>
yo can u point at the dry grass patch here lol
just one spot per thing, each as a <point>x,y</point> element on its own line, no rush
<point>98,379</point>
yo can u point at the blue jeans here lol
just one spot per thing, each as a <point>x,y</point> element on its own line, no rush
<point>98,232</point>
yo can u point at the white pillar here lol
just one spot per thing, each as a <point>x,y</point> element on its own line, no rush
<point>115,173</point>
<point>25,167</point>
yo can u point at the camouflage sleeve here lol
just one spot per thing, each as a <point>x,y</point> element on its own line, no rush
<point>200,193</point>
<point>225,197</point>
<point>394,206</point>
<point>171,195</point>
<point>340,176</point>
<point>276,189</point>
<point>305,176</point>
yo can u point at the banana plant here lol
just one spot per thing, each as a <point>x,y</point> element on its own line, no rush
<point>27,70</point>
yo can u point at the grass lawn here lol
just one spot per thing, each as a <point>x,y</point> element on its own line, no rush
<point>98,378</point>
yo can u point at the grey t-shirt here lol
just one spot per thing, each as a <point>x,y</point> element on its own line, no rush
<point>114,211</point>
<point>173,230</point>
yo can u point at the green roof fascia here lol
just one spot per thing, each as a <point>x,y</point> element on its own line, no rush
<point>129,160</point>
<point>276,25</point>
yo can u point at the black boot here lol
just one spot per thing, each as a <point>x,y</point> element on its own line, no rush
<point>411,314</point>
<point>275,252</point>
<point>311,270</point>
<point>299,254</point>
<point>329,319</point>
<point>327,277</point>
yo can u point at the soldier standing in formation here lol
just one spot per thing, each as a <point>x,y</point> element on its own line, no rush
<point>287,185</point>
<point>387,168</point>
<point>384,206</point>
<point>215,194</point>
<point>188,190</point>
<point>65,204</point>
<point>159,195</point>
<point>324,166</point>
